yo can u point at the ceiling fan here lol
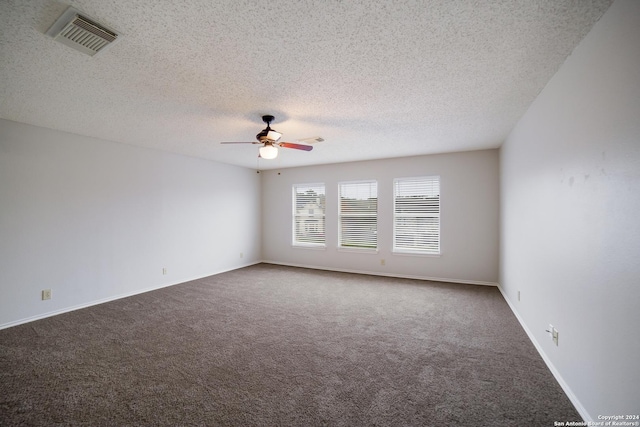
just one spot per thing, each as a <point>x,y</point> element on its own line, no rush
<point>270,138</point>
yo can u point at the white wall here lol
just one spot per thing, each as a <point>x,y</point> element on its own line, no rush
<point>570,231</point>
<point>94,220</point>
<point>469,216</point>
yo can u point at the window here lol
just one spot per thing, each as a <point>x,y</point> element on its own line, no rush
<point>308,215</point>
<point>358,215</point>
<point>416,215</point>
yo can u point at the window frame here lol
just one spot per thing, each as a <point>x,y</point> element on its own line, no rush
<point>296,216</point>
<point>341,215</point>
<point>416,250</point>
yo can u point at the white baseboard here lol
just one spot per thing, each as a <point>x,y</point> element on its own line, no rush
<point>112,298</point>
<point>377,273</point>
<point>565,387</point>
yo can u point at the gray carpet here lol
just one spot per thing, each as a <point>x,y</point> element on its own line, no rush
<point>271,345</point>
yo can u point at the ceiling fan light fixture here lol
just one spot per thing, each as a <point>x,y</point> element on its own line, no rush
<point>268,152</point>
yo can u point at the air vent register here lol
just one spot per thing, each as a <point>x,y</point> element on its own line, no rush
<point>82,33</point>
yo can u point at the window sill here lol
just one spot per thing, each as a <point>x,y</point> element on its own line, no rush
<point>416,253</point>
<point>312,247</point>
<point>359,250</point>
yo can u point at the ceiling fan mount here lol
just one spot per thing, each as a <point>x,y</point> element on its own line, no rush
<point>269,138</point>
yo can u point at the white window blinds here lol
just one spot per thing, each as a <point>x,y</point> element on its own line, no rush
<point>416,215</point>
<point>308,215</point>
<point>358,215</point>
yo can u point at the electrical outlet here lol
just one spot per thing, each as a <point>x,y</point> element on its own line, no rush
<point>46,294</point>
<point>383,262</point>
<point>518,295</point>
<point>241,255</point>
<point>164,270</point>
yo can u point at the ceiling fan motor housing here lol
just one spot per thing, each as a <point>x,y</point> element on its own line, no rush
<point>262,136</point>
<point>268,135</point>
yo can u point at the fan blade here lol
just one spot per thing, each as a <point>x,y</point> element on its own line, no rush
<point>238,142</point>
<point>296,146</point>
<point>311,140</point>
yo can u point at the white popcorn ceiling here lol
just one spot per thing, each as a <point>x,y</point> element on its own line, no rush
<point>376,79</point>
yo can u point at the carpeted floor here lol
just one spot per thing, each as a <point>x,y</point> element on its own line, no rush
<point>270,345</point>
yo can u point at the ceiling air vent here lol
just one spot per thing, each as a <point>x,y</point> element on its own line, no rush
<point>78,31</point>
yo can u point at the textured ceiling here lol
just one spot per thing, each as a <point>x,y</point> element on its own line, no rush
<point>376,79</point>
